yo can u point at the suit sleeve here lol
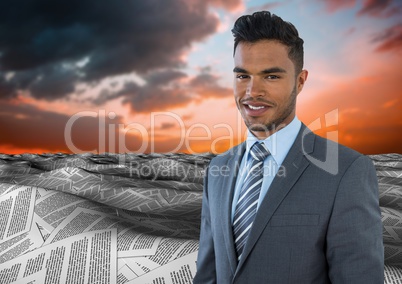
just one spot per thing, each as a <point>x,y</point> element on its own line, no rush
<point>206,269</point>
<point>355,252</point>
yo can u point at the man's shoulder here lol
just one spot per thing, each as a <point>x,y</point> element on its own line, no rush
<point>324,145</point>
<point>325,149</point>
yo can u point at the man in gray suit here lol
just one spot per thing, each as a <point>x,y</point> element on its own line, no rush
<point>286,206</point>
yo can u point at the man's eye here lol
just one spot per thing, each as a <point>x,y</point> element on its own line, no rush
<point>241,76</point>
<point>272,77</point>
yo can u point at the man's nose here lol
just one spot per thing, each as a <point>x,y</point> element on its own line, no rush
<point>254,88</point>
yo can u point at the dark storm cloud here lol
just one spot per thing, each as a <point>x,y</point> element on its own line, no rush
<point>154,98</point>
<point>54,82</point>
<point>164,77</point>
<point>6,88</point>
<point>167,89</point>
<point>47,47</point>
<point>161,91</point>
<point>206,86</point>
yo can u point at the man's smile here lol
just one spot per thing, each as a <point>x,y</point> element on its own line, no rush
<point>256,108</point>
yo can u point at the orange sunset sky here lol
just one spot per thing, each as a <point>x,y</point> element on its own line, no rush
<point>156,76</point>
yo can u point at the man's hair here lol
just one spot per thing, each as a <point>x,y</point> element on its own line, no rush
<point>264,25</point>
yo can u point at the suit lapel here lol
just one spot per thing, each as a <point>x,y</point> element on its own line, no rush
<point>294,164</point>
<point>229,183</point>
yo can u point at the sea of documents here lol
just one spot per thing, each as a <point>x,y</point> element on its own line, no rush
<point>100,218</point>
<point>127,218</point>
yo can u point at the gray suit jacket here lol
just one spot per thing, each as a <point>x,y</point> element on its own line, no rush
<point>320,221</point>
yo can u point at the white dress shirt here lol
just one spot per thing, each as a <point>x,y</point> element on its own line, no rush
<point>278,145</point>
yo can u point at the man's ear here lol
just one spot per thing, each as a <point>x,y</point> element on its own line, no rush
<point>301,79</point>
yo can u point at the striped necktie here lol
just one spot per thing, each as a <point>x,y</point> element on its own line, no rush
<point>246,207</point>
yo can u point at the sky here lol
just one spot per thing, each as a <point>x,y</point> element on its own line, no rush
<point>156,76</point>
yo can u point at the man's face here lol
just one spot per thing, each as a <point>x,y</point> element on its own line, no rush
<point>266,86</point>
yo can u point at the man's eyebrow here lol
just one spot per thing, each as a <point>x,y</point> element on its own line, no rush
<point>265,71</point>
<point>239,70</point>
<point>273,70</point>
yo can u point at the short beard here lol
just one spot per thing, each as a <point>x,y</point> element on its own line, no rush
<point>276,124</point>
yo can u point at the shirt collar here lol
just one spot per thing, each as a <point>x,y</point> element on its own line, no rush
<point>278,143</point>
